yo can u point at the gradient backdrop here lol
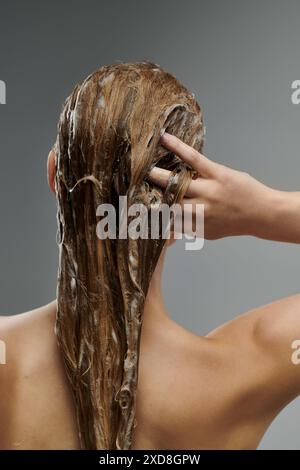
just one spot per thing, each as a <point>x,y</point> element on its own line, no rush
<point>238,57</point>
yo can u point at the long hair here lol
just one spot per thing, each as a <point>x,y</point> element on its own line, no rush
<point>108,140</point>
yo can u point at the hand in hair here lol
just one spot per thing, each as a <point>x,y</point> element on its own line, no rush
<point>235,203</point>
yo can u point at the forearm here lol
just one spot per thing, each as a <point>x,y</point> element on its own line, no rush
<point>278,218</point>
<point>235,203</point>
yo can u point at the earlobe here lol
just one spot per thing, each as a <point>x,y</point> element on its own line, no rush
<point>51,170</point>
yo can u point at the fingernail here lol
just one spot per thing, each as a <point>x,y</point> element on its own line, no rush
<point>166,137</point>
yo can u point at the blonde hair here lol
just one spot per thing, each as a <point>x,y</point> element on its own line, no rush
<point>108,140</point>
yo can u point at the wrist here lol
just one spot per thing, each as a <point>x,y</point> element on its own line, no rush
<point>265,211</point>
<point>279,216</point>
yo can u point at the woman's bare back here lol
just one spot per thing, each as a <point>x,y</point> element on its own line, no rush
<point>221,391</point>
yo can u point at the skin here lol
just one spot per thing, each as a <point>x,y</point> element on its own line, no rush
<point>235,202</point>
<point>219,391</point>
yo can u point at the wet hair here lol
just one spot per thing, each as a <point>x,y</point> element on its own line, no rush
<point>107,142</point>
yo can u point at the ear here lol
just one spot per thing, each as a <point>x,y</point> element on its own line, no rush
<point>51,170</point>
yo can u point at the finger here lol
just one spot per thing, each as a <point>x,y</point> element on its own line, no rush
<point>188,154</point>
<point>161,177</point>
<point>190,219</point>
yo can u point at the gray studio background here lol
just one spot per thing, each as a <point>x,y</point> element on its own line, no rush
<point>238,57</point>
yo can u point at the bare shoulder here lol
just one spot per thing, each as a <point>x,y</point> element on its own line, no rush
<point>13,331</point>
<point>8,373</point>
<point>4,323</point>
<point>33,385</point>
<point>23,334</point>
<point>268,339</point>
<point>6,336</point>
<point>276,320</point>
<point>277,333</point>
<point>279,322</point>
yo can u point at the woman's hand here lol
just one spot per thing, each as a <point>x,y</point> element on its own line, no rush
<point>234,202</point>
